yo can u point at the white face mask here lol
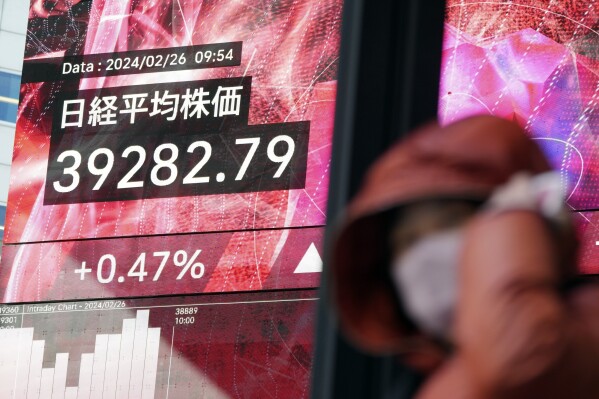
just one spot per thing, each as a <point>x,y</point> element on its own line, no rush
<point>425,278</point>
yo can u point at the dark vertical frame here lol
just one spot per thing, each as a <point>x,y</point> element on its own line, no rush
<point>388,84</point>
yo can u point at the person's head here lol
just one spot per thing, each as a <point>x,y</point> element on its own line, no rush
<point>425,186</point>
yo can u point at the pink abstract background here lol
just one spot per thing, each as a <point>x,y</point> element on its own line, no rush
<point>535,62</point>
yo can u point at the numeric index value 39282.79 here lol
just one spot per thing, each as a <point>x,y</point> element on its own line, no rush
<point>169,140</point>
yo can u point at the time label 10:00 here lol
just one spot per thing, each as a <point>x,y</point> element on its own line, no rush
<point>155,166</point>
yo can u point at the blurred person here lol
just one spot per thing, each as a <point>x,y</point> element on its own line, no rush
<point>458,255</point>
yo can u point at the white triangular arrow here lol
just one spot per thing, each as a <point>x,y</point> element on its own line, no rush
<point>311,262</point>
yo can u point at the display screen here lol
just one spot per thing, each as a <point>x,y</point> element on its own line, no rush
<point>171,147</point>
<point>211,346</point>
<point>535,62</point>
<point>176,152</point>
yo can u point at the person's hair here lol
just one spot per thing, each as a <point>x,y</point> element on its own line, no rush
<point>416,220</point>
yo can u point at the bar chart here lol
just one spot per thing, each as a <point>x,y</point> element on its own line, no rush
<point>122,365</point>
<point>206,346</point>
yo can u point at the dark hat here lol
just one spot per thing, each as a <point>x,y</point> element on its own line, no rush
<point>465,160</point>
